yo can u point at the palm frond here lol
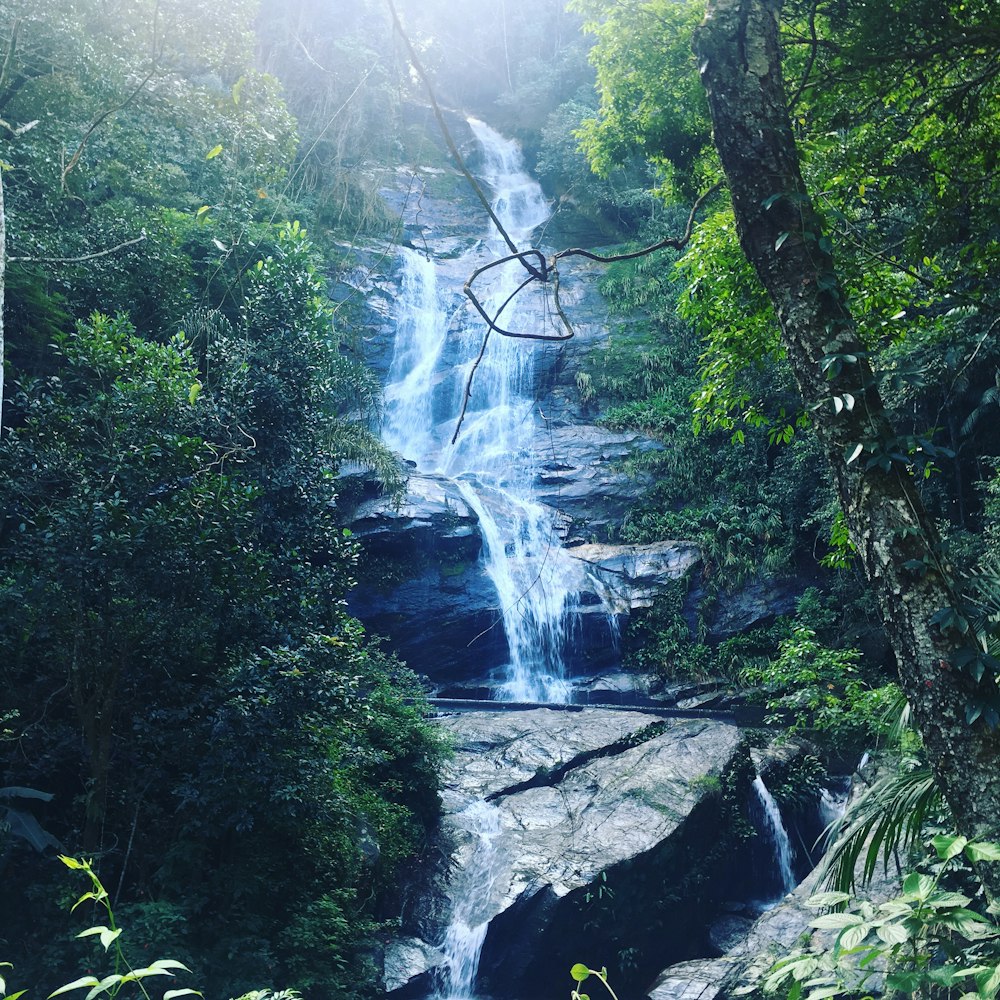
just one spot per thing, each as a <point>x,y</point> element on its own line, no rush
<point>351,442</point>
<point>886,817</point>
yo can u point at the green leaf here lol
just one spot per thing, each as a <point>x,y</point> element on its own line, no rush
<point>170,963</point>
<point>108,937</point>
<point>71,862</point>
<point>905,982</point>
<point>194,392</point>
<point>853,936</point>
<point>779,242</point>
<point>968,924</point>
<point>201,211</point>
<point>918,886</point>
<point>983,850</point>
<point>989,984</point>
<point>835,921</point>
<point>75,985</point>
<point>579,972</point>
<point>103,986</point>
<point>851,453</point>
<point>827,899</point>
<point>14,996</point>
<point>214,152</point>
<point>826,991</point>
<point>892,933</point>
<point>949,847</point>
<point>93,931</point>
<point>944,900</point>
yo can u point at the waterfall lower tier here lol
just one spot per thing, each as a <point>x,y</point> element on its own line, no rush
<point>774,830</point>
<point>533,578</point>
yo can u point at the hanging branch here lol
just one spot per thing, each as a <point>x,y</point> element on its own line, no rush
<point>446,132</point>
<point>548,271</point>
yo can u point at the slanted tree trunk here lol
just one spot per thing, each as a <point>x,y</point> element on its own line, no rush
<point>3,285</point>
<point>781,234</point>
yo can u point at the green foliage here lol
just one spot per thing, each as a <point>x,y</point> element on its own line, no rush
<point>820,690</point>
<point>651,99</point>
<point>109,936</point>
<point>887,817</point>
<point>926,942</point>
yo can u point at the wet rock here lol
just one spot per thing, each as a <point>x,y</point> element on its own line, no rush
<point>627,577</point>
<point>591,804</point>
<point>409,967</point>
<point>431,512</point>
<point>701,979</point>
<point>581,475</point>
<point>758,603</point>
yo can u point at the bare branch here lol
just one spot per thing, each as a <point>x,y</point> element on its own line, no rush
<point>548,271</point>
<point>452,148</point>
<point>105,115</point>
<point>671,242</point>
<point>79,260</point>
<point>97,122</point>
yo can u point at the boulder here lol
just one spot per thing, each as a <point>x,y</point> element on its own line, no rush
<point>589,808</point>
<point>409,967</point>
<point>432,512</point>
<point>701,979</point>
<point>627,577</point>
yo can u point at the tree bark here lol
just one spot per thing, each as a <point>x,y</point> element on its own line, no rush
<point>3,285</point>
<point>739,56</point>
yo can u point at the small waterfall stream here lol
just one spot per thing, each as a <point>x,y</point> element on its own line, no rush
<point>463,943</point>
<point>776,833</point>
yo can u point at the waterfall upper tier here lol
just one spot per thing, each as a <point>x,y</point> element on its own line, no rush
<point>528,479</point>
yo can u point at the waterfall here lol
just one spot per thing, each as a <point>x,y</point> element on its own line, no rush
<point>776,833</point>
<point>493,462</point>
<point>463,942</point>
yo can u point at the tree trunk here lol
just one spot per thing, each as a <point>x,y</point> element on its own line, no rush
<point>780,232</point>
<point>3,285</point>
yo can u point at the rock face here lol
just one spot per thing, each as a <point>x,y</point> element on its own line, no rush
<point>424,585</point>
<point>563,821</point>
<point>628,577</point>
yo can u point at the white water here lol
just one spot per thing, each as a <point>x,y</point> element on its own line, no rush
<point>493,461</point>
<point>463,943</point>
<point>832,804</point>
<point>777,834</point>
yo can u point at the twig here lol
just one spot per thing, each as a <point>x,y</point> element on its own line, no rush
<point>79,260</point>
<point>548,270</point>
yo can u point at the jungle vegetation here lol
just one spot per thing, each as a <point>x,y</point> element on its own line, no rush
<point>180,178</point>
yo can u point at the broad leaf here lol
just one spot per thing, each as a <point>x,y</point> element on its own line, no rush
<point>75,985</point>
<point>949,847</point>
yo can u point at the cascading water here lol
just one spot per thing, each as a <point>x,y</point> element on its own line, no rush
<point>494,467</point>
<point>493,461</point>
<point>463,942</point>
<point>774,829</point>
